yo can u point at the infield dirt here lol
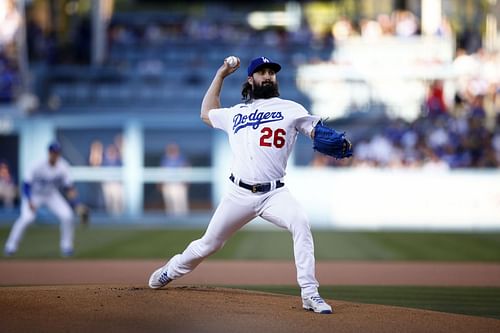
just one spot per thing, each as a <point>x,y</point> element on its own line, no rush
<point>112,296</point>
<point>126,309</point>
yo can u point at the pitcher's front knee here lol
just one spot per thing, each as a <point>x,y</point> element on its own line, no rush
<point>213,247</point>
<point>205,248</point>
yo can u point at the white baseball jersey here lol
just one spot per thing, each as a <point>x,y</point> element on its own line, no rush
<point>262,135</point>
<point>46,179</point>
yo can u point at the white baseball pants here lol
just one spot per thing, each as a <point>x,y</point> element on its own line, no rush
<point>58,206</point>
<point>238,207</point>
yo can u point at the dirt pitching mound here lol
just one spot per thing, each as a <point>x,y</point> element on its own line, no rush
<point>119,308</point>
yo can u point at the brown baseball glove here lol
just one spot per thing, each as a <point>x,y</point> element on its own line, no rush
<point>83,213</point>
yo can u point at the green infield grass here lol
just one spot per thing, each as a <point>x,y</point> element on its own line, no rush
<point>120,242</point>
<point>474,301</point>
<point>96,242</point>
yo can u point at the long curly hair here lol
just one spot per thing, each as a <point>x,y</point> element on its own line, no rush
<point>246,92</point>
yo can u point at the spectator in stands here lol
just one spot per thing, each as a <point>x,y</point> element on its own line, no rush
<point>175,194</point>
<point>435,103</point>
<point>470,39</point>
<point>8,188</point>
<point>371,30</point>
<point>112,190</point>
<point>382,151</point>
<point>406,23</point>
<point>438,136</point>
<point>96,153</point>
<point>10,21</point>
<point>477,107</point>
<point>386,24</point>
<point>342,29</point>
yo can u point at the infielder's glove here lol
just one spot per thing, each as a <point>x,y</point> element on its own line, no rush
<point>330,142</point>
<point>83,214</point>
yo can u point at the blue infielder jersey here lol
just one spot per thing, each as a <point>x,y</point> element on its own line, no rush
<point>262,135</point>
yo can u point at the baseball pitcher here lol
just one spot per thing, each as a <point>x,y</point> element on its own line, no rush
<point>262,132</point>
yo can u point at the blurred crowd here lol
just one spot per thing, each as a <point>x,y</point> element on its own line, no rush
<point>201,29</point>
<point>450,133</point>
<point>10,21</point>
<point>400,23</point>
<point>463,133</point>
<point>442,142</point>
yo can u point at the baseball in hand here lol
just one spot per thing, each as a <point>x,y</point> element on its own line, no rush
<point>232,61</point>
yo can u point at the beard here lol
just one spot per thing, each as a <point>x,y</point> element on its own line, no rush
<point>266,90</point>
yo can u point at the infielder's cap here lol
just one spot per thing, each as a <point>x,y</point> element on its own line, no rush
<point>262,62</point>
<point>55,147</point>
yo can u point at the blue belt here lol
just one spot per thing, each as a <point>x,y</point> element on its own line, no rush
<point>262,187</point>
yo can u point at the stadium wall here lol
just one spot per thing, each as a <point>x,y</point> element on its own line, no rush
<point>338,198</point>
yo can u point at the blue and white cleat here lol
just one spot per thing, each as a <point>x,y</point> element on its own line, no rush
<point>159,278</point>
<point>317,304</point>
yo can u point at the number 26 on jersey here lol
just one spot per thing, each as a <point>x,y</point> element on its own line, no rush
<point>271,138</point>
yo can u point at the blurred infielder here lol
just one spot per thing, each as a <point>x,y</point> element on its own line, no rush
<point>262,132</point>
<point>41,188</point>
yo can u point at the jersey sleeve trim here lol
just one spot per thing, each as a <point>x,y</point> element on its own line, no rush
<point>27,190</point>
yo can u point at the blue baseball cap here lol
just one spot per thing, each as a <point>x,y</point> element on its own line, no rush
<point>55,147</point>
<point>261,62</point>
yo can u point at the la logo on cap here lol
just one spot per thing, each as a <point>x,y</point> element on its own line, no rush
<point>260,62</point>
